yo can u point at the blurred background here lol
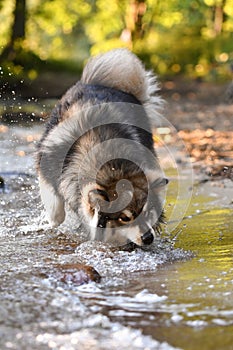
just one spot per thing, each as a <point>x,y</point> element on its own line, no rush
<point>189,38</point>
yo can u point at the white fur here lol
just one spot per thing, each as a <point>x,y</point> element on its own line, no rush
<point>53,203</point>
<point>93,225</point>
<point>123,234</point>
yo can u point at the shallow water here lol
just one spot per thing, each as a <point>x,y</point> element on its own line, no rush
<point>178,295</point>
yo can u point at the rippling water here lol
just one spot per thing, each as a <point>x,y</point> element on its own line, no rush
<point>178,295</point>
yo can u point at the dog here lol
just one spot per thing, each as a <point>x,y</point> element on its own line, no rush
<point>96,156</point>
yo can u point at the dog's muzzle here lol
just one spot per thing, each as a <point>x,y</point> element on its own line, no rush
<point>147,238</point>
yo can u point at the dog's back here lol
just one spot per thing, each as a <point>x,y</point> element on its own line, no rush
<point>117,76</point>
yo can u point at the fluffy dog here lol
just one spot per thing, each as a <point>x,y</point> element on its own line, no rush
<point>97,157</point>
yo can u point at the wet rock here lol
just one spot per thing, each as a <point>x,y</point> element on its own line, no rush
<point>128,247</point>
<point>63,243</point>
<point>2,184</point>
<point>14,181</point>
<point>76,274</point>
<point>220,171</point>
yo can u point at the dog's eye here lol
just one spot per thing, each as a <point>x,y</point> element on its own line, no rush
<point>123,218</point>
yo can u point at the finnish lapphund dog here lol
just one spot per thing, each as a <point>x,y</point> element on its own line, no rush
<point>96,156</point>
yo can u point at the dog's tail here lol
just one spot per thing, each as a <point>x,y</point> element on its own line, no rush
<point>122,70</point>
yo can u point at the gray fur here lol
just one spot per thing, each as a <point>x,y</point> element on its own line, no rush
<point>99,134</point>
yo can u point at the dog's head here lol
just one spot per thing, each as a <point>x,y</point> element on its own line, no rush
<point>123,212</point>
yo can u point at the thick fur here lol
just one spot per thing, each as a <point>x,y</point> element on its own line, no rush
<point>97,156</point>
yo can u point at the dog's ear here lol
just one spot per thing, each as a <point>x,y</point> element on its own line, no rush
<point>159,183</point>
<point>95,197</point>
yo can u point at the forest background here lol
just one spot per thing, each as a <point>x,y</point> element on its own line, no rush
<point>192,38</point>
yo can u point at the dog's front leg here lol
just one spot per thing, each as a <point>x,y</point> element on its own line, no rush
<point>53,203</point>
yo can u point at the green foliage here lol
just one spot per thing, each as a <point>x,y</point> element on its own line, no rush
<point>192,37</point>
<point>6,10</point>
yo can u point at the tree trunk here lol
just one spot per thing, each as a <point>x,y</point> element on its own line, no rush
<point>18,30</point>
<point>219,17</point>
<point>133,20</point>
<point>17,33</point>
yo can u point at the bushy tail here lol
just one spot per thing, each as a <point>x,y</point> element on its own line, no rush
<point>122,70</point>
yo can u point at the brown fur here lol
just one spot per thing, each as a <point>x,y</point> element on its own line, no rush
<point>97,156</point>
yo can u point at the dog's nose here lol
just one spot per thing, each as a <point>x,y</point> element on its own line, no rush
<point>147,238</point>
